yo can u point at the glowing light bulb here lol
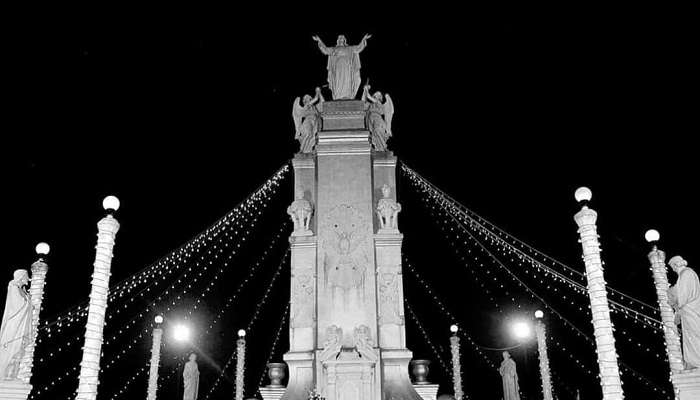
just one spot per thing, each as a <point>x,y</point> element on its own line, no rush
<point>42,249</point>
<point>181,333</point>
<point>521,330</point>
<point>583,194</point>
<point>454,328</point>
<point>159,319</point>
<point>111,203</point>
<point>652,235</point>
<point>539,314</point>
<point>241,333</point>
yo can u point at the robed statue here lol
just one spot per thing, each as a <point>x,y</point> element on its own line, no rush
<point>379,116</point>
<point>343,66</point>
<point>307,120</point>
<point>511,388</point>
<point>685,299</point>
<point>16,329</point>
<point>191,379</point>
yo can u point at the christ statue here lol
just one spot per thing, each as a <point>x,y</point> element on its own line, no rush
<point>343,66</point>
<point>686,301</point>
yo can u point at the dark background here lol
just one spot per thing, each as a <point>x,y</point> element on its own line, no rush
<point>182,114</point>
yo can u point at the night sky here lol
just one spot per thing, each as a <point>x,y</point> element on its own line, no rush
<point>507,110</point>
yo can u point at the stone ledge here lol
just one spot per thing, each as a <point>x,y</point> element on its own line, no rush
<point>14,390</point>
<point>272,393</point>
<point>427,391</point>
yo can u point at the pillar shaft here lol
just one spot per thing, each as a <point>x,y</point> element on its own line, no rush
<point>36,291</point>
<point>90,365</point>
<point>541,333</point>
<point>456,368</point>
<point>155,363</point>
<point>240,369</point>
<point>610,381</point>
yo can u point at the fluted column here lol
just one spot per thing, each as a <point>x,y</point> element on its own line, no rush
<point>155,363</point>
<point>240,365</point>
<point>541,333</point>
<point>610,381</point>
<point>456,365</point>
<point>92,350</point>
<point>36,292</point>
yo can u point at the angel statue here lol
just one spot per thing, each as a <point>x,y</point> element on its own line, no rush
<point>307,120</point>
<point>364,345</point>
<point>332,344</point>
<point>379,116</point>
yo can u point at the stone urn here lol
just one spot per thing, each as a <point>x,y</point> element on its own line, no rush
<point>275,371</point>
<point>420,369</point>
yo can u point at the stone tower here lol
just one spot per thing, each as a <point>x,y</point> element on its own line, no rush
<point>347,328</point>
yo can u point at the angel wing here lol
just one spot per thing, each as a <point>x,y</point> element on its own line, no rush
<point>297,115</point>
<point>388,113</point>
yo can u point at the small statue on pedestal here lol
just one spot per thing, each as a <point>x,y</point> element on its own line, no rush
<point>333,343</point>
<point>379,116</point>
<point>307,120</point>
<point>685,299</point>
<point>511,388</point>
<point>301,210</point>
<point>191,379</point>
<point>16,328</point>
<point>388,211</point>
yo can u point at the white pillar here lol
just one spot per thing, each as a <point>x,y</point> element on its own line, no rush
<point>240,365</point>
<point>92,350</point>
<point>541,332</point>
<point>36,291</point>
<point>657,258</point>
<point>155,363</point>
<point>456,366</point>
<point>610,381</point>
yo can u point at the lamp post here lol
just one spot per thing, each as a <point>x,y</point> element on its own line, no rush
<point>240,364</point>
<point>657,259</point>
<point>107,229</point>
<point>541,333</point>
<point>456,366</point>
<point>36,293</point>
<point>610,381</point>
<point>155,359</point>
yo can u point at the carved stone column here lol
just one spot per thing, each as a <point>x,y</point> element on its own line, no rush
<point>155,363</point>
<point>97,310</point>
<point>36,291</point>
<point>545,374</point>
<point>597,292</point>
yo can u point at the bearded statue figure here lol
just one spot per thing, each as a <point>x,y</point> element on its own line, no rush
<point>685,299</point>
<point>16,328</point>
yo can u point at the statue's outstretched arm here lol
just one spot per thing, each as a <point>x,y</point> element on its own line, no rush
<point>325,50</point>
<point>363,43</point>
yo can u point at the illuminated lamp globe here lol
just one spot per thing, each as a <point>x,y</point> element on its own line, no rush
<point>241,333</point>
<point>159,319</point>
<point>110,203</point>
<point>583,194</point>
<point>42,249</point>
<point>454,329</point>
<point>522,330</point>
<point>181,333</point>
<point>652,235</point>
<point>539,314</point>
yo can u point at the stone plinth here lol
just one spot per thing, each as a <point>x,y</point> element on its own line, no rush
<point>343,115</point>
<point>272,393</point>
<point>687,384</point>
<point>427,391</point>
<point>14,390</point>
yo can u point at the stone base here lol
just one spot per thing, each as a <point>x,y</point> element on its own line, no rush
<point>427,391</point>
<point>301,375</point>
<point>688,384</point>
<point>272,393</point>
<point>395,381</point>
<point>14,390</point>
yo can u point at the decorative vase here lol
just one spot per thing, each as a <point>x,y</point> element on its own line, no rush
<point>275,371</point>
<point>420,369</point>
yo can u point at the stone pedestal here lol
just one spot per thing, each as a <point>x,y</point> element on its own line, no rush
<point>687,384</point>
<point>347,328</point>
<point>14,390</point>
<point>272,393</point>
<point>428,391</point>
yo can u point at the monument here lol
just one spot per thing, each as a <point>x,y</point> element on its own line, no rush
<point>347,329</point>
